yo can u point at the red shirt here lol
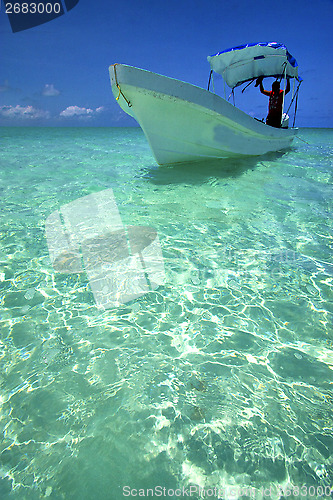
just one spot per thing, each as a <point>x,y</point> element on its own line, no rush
<point>275,103</point>
<point>274,116</point>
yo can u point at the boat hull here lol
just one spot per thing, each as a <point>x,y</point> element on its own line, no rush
<point>184,123</point>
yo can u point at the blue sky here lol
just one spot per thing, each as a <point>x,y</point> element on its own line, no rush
<point>56,74</point>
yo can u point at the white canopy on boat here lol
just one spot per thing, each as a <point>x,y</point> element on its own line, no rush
<point>246,62</point>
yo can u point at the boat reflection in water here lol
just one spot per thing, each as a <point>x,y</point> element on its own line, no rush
<point>87,235</point>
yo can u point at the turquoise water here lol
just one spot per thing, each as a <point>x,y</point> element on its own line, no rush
<point>221,377</point>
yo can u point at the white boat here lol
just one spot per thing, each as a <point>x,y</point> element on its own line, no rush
<point>183,122</point>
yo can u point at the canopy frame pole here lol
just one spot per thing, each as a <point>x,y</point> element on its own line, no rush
<point>232,93</point>
<point>210,77</point>
<point>296,102</point>
<point>284,88</point>
<point>295,96</point>
<point>292,97</point>
<point>246,86</point>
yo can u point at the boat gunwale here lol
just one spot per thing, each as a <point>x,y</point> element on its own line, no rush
<point>178,89</point>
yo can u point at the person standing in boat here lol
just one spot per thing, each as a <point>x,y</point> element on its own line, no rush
<point>276,97</point>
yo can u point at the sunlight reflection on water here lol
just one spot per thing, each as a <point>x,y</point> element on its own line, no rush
<point>220,377</point>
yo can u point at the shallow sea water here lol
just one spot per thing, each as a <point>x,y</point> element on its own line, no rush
<point>221,378</point>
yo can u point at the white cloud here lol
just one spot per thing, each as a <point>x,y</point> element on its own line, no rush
<point>23,112</point>
<point>49,90</point>
<point>72,111</point>
<point>77,112</point>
